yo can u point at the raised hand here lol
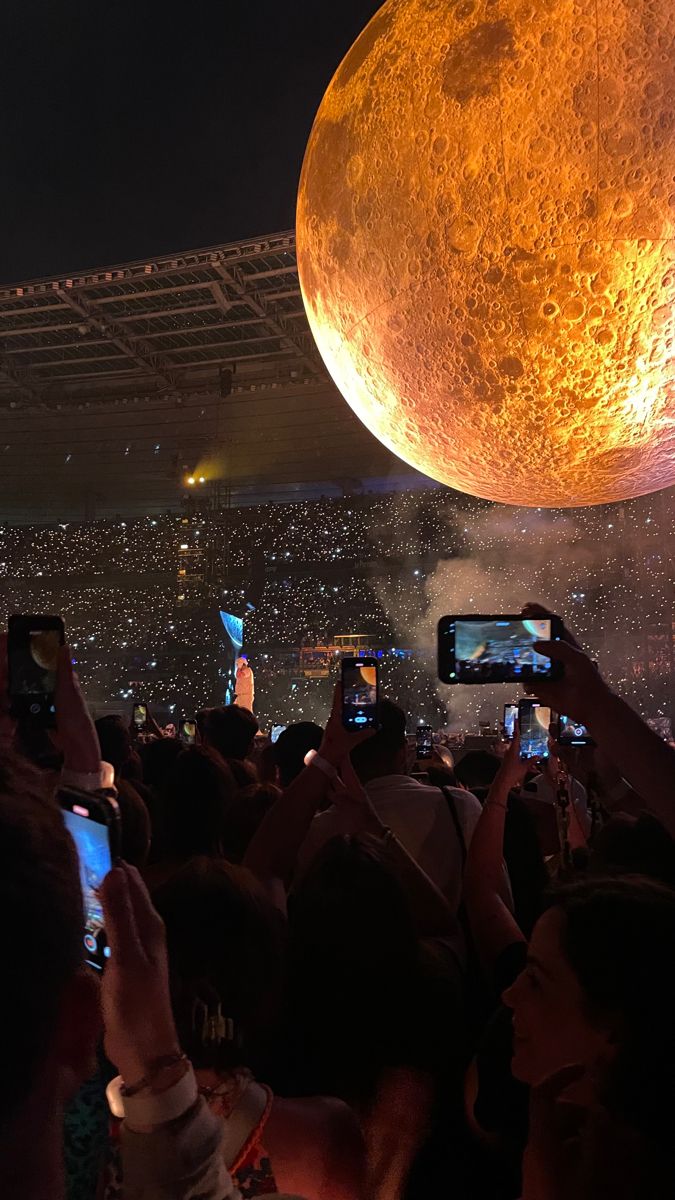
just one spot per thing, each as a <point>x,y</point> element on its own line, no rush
<point>139,1024</point>
<point>349,795</point>
<point>580,690</point>
<point>537,612</point>
<point>75,733</point>
<point>338,742</point>
<point>513,769</point>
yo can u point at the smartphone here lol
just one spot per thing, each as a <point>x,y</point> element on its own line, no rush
<point>139,716</point>
<point>533,722</point>
<point>33,645</point>
<point>510,716</point>
<point>92,819</point>
<point>573,733</point>
<point>187,730</point>
<point>496,649</point>
<point>276,733</point>
<point>359,694</point>
<point>424,741</point>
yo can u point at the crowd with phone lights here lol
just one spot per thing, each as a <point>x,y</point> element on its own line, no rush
<point>382,565</point>
<point>380,951</point>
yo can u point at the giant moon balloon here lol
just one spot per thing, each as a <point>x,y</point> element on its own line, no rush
<point>485,243</point>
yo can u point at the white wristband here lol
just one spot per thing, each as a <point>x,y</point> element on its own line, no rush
<point>148,1108</point>
<point>314,759</point>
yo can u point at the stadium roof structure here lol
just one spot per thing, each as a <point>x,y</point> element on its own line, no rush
<point>116,380</point>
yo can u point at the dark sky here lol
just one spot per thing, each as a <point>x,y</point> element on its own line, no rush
<point>134,127</point>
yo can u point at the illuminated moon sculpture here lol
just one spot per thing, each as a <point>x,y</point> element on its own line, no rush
<point>485,243</point>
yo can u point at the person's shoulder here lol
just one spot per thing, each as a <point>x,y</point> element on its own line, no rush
<point>465,800</point>
<point>318,1138</point>
<point>422,793</point>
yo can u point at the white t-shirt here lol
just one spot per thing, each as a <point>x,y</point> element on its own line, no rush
<point>420,817</point>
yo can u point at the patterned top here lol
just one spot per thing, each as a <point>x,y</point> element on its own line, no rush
<point>251,1169</point>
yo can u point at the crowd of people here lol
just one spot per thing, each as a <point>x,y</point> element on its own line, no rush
<point>386,566</point>
<point>336,971</point>
<point>427,522</point>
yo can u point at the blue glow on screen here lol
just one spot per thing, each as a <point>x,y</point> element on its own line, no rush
<point>234,628</point>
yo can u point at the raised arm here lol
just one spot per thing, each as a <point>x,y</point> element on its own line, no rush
<point>273,850</point>
<point>171,1141</point>
<point>641,757</point>
<point>492,924</point>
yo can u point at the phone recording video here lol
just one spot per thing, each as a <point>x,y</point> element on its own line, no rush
<point>276,732</point>
<point>93,823</point>
<point>533,722</point>
<point>33,644</point>
<point>510,717</point>
<point>139,716</point>
<point>187,731</point>
<point>573,733</point>
<point>495,649</point>
<point>359,694</point>
<point>424,741</point>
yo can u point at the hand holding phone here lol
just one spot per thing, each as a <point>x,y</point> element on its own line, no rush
<point>33,645</point>
<point>573,733</point>
<point>533,722</point>
<point>139,717</point>
<point>496,649</point>
<point>338,741</point>
<point>513,767</point>
<point>360,696</point>
<point>135,994</point>
<point>92,820</point>
<point>580,691</point>
<point>510,718</point>
<point>76,734</point>
<point>187,730</point>
<point>424,742</point>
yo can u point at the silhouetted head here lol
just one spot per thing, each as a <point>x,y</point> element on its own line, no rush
<point>291,747</point>
<point>197,802</point>
<point>385,752</point>
<point>226,953</point>
<point>114,738</point>
<point>231,731</point>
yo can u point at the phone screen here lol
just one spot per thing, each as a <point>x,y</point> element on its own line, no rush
<point>140,715</point>
<point>32,658</point>
<point>188,732</point>
<point>494,649</point>
<point>510,715</point>
<point>359,693</point>
<point>573,733</point>
<point>424,741</point>
<point>534,720</point>
<point>92,840</point>
<point>277,730</point>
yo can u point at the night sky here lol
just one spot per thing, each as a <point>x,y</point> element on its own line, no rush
<point>137,127</point>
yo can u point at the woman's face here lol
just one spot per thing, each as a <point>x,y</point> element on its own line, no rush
<point>551,1027</point>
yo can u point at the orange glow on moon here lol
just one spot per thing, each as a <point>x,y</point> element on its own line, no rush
<point>485,243</point>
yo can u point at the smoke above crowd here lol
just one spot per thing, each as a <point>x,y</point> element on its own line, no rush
<point>598,568</point>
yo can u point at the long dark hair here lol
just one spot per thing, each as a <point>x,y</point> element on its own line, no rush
<point>619,938</point>
<point>197,800</point>
<point>226,946</point>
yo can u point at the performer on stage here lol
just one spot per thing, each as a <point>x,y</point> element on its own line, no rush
<point>244,684</point>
